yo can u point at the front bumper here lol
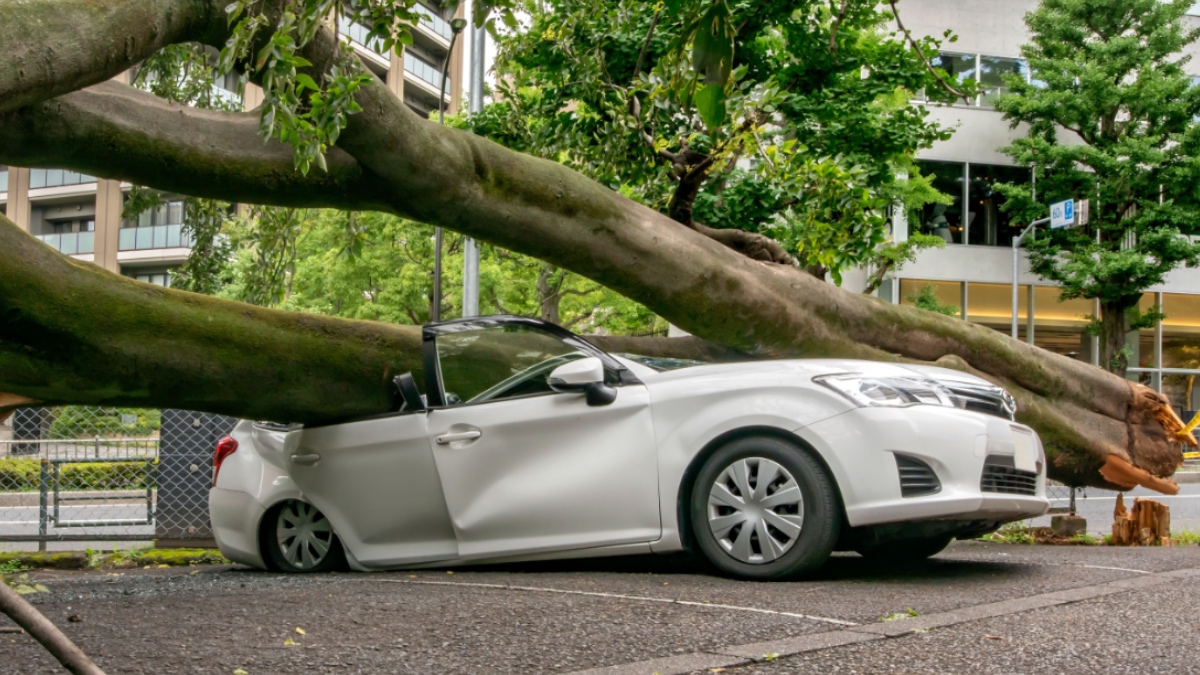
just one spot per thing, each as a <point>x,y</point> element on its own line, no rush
<point>235,518</point>
<point>860,447</point>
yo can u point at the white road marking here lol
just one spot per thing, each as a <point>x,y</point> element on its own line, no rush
<point>1105,567</point>
<point>619,596</point>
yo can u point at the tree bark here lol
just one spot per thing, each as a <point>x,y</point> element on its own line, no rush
<point>1114,335</point>
<point>70,333</point>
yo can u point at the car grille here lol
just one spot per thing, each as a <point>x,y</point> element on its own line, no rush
<point>987,400</point>
<point>916,477</point>
<point>999,475</point>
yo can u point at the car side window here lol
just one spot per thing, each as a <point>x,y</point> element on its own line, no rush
<point>499,362</point>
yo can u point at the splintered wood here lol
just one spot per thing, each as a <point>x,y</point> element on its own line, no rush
<point>1147,524</point>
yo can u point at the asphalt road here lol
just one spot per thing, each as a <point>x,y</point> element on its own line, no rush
<point>1097,507</point>
<point>979,608</point>
<point>23,520</point>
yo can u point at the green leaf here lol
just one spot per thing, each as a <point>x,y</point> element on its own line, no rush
<point>712,47</point>
<point>710,103</point>
<point>306,81</point>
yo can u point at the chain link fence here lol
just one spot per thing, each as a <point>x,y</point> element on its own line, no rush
<point>92,474</point>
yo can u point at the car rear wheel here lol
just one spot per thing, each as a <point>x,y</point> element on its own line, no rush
<point>299,538</point>
<point>906,551</point>
<point>762,508</point>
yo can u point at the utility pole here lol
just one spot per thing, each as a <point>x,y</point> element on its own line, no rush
<point>470,301</point>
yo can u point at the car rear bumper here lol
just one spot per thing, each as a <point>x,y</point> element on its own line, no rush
<point>235,519</point>
<point>861,449</point>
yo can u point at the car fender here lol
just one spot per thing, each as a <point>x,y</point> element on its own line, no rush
<point>688,419</point>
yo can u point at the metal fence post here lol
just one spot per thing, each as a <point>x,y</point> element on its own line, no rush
<point>43,486</point>
<point>1073,491</point>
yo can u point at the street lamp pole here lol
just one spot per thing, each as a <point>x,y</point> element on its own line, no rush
<point>1017,240</point>
<point>470,301</point>
<point>435,310</point>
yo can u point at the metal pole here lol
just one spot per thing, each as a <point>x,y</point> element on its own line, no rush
<point>435,308</point>
<point>470,300</point>
<point>43,485</point>
<point>1016,278</point>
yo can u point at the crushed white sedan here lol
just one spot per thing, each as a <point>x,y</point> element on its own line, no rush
<point>529,443</point>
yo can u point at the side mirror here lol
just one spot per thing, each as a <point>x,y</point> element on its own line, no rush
<point>585,376</point>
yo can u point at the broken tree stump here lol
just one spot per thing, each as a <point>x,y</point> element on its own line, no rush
<point>1148,523</point>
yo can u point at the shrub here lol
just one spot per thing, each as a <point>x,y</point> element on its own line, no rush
<point>21,475</point>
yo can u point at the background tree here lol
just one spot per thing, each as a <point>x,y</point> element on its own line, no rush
<point>73,333</point>
<point>794,127</point>
<point>1113,119</point>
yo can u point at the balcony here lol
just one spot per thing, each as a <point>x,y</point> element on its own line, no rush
<point>361,34</point>
<point>47,178</point>
<point>425,71</point>
<point>4,180</point>
<point>71,243</point>
<point>152,237</point>
<point>434,22</point>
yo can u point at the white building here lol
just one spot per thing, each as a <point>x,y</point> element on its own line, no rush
<point>974,270</point>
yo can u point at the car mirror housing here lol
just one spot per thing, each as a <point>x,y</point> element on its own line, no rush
<point>577,375</point>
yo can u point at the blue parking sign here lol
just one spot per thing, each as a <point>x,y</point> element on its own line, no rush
<point>1062,214</point>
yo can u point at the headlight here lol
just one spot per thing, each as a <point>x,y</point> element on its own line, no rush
<point>888,391</point>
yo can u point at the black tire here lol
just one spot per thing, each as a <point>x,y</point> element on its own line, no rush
<point>821,513</point>
<point>273,544</point>
<point>906,551</point>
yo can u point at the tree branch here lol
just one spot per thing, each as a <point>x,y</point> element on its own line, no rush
<point>921,53</point>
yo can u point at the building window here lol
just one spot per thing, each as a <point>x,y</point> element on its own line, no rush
<point>976,215</point>
<point>361,34</point>
<point>47,178</point>
<point>435,22</point>
<point>945,220</point>
<point>424,70</point>
<point>158,278</point>
<point>987,71</point>
<point>159,227</point>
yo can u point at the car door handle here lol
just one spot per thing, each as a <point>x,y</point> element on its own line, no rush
<point>306,459</point>
<point>446,439</point>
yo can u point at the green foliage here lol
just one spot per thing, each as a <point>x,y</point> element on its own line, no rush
<point>1011,533</point>
<point>24,475</point>
<point>662,103</point>
<point>927,299</point>
<point>1109,74</point>
<point>86,422</point>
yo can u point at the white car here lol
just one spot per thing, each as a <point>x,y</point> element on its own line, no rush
<point>531,444</point>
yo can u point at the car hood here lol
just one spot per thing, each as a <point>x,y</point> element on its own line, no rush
<point>810,368</point>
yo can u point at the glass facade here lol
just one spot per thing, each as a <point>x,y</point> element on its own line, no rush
<point>425,70</point>
<point>976,215</point>
<point>1165,357</point>
<point>360,34</point>
<point>434,22</point>
<point>159,227</point>
<point>985,70</point>
<point>46,178</point>
<point>71,243</point>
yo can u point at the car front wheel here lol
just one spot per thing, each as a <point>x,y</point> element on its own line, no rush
<point>299,538</point>
<point>763,509</point>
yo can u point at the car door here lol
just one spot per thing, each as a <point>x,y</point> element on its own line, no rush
<point>525,469</point>
<point>376,481</point>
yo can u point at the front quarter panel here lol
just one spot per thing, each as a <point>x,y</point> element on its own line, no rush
<point>690,413</point>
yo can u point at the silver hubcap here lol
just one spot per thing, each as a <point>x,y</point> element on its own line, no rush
<point>304,535</point>
<point>755,510</point>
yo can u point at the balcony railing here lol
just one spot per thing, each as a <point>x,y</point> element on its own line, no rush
<point>436,23</point>
<point>156,236</point>
<point>4,181</point>
<point>71,243</point>
<point>46,178</point>
<point>361,34</point>
<point>425,71</point>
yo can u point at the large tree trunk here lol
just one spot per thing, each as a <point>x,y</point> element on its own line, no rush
<point>70,333</point>
<point>1113,336</point>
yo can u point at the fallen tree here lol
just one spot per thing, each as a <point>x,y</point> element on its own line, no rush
<point>72,333</point>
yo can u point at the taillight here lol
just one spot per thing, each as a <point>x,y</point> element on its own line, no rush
<point>225,447</point>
